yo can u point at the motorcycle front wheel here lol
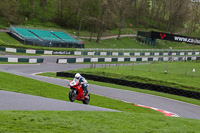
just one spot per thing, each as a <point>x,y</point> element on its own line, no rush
<point>72,95</point>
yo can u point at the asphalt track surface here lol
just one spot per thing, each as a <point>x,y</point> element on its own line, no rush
<point>28,70</point>
<point>17,101</point>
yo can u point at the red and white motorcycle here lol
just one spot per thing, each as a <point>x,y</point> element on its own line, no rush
<point>77,93</point>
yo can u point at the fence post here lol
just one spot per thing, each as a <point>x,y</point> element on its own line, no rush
<point>91,65</point>
<point>132,66</point>
<point>94,64</point>
<point>186,69</point>
<point>166,68</point>
<point>150,67</point>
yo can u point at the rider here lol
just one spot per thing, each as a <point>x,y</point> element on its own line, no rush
<point>82,81</point>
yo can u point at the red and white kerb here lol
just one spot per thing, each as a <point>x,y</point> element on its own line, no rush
<point>166,113</point>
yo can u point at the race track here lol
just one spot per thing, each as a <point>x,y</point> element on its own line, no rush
<point>17,101</point>
<point>180,108</point>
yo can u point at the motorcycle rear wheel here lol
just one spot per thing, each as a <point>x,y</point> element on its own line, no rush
<point>86,101</point>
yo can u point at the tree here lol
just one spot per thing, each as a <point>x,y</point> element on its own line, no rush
<point>43,4</point>
<point>92,17</point>
<point>194,18</point>
<point>77,9</point>
<point>92,22</point>
<point>123,8</point>
<point>158,14</point>
<point>32,3</point>
<point>178,12</point>
<point>60,11</point>
<point>83,14</point>
<point>143,12</point>
<point>106,17</point>
<point>9,11</point>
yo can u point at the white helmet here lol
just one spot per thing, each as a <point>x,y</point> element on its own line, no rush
<point>77,76</point>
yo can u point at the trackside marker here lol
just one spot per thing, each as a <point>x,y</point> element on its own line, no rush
<point>166,113</point>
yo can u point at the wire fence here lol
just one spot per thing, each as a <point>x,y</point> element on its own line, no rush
<point>181,68</point>
<point>183,74</point>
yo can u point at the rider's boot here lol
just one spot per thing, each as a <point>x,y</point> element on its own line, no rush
<point>86,94</point>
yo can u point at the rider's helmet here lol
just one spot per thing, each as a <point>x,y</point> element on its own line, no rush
<point>77,76</point>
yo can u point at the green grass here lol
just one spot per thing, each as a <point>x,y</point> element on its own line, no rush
<point>107,33</point>
<point>176,45</point>
<point>132,119</point>
<point>48,25</point>
<point>124,43</point>
<point>90,122</point>
<point>8,41</point>
<point>154,73</point>
<point>38,88</point>
<point>34,23</point>
<point>114,43</point>
<point>131,43</point>
<point>175,97</point>
<point>26,54</point>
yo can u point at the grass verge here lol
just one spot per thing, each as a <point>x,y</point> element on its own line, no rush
<point>182,75</point>
<point>38,88</point>
<point>131,43</point>
<point>90,122</point>
<point>124,43</point>
<point>132,119</point>
<point>179,98</point>
<point>8,41</point>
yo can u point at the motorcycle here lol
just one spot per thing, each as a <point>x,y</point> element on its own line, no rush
<point>77,93</point>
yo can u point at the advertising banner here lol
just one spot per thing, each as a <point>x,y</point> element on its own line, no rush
<point>169,37</point>
<point>62,52</point>
<point>173,37</point>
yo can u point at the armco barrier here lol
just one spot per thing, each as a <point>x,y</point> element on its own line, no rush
<point>174,53</point>
<point>21,60</point>
<point>154,87</point>
<point>27,51</point>
<point>124,59</point>
<point>95,53</point>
